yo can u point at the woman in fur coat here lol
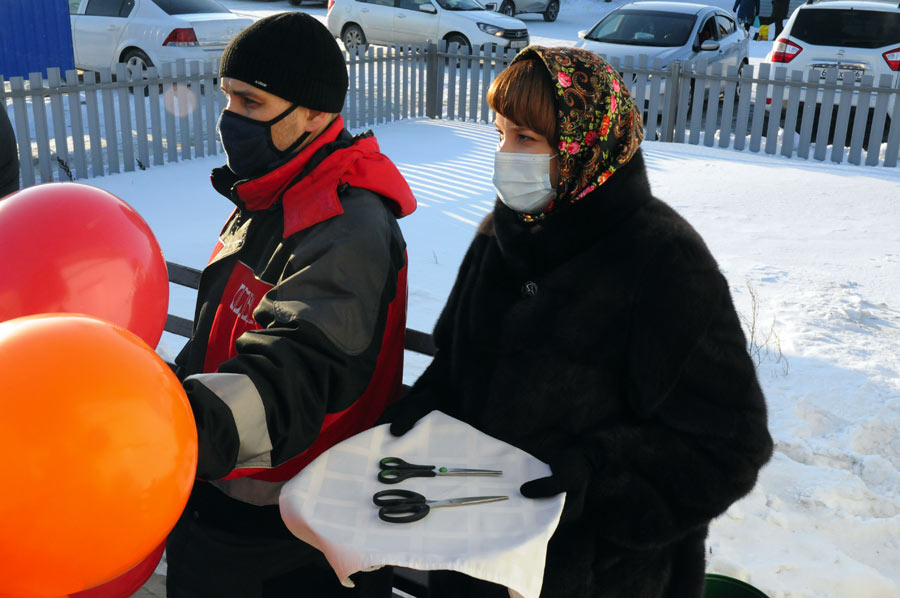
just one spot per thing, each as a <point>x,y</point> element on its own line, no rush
<point>590,326</point>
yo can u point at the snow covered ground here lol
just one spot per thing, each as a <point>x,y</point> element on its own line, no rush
<point>815,243</point>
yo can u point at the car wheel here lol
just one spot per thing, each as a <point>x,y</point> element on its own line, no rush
<point>296,2</point>
<point>552,11</point>
<point>508,8</point>
<point>737,87</point>
<point>464,46</point>
<point>137,63</point>
<point>353,38</point>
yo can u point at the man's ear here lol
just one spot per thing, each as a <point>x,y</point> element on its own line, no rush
<point>317,119</point>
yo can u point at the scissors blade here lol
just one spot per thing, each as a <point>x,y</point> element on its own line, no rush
<point>468,500</point>
<point>460,471</point>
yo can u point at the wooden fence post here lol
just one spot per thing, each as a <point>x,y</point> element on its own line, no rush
<point>670,101</point>
<point>432,88</point>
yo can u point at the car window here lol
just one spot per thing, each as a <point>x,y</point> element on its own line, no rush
<point>850,28</point>
<point>726,25</point>
<point>644,28</point>
<point>412,4</point>
<point>188,7</point>
<point>378,2</point>
<point>461,4</point>
<point>73,6</point>
<point>109,8</point>
<point>708,31</point>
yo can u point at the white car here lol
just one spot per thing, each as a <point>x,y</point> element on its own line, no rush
<point>145,33</point>
<point>855,37</point>
<point>466,22</point>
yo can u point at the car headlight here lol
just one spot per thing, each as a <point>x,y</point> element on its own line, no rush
<point>491,29</point>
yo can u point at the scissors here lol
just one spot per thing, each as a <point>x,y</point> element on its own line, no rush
<point>394,469</point>
<point>406,506</point>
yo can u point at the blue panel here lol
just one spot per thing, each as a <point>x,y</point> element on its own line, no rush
<point>34,36</point>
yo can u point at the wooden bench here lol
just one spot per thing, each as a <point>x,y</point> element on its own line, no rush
<point>407,582</point>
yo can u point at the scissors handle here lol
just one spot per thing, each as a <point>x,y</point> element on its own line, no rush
<point>398,463</point>
<point>403,513</point>
<point>393,476</point>
<point>400,506</point>
<point>386,498</point>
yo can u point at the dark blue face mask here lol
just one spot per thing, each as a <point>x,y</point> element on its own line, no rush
<point>249,150</point>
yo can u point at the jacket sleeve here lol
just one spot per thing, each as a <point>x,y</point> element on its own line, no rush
<point>322,329</point>
<point>697,434</point>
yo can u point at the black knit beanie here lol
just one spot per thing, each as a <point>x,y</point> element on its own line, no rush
<point>293,56</point>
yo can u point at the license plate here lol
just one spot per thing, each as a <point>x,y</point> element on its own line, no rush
<point>851,75</point>
<point>518,44</point>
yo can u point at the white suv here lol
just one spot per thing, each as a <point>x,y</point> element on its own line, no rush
<point>466,22</point>
<point>858,37</point>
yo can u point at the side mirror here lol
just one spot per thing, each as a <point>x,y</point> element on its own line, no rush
<point>583,33</point>
<point>709,46</point>
<point>492,6</point>
<point>429,8</point>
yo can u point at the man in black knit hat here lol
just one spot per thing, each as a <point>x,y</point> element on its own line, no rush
<point>301,312</point>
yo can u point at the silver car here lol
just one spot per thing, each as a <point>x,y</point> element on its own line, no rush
<point>548,8</point>
<point>669,31</point>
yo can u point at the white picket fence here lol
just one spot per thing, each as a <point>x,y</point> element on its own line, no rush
<point>78,127</point>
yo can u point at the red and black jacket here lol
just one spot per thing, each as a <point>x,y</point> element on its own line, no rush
<point>301,312</point>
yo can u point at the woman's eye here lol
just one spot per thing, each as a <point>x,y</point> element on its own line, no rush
<point>525,138</point>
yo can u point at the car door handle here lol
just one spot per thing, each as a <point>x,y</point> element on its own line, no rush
<point>401,16</point>
<point>111,27</point>
<point>363,10</point>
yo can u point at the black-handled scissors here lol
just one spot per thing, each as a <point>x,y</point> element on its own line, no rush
<point>394,469</point>
<point>406,506</point>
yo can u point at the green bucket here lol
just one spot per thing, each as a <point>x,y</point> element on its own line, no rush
<point>722,586</point>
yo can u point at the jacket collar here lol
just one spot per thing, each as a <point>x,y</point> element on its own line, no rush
<point>262,192</point>
<point>306,187</point>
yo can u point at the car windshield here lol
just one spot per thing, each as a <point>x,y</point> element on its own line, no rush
<point>644,28</point>
<point>189,7</point>
<point>461,4</point>
<point>848,28</point>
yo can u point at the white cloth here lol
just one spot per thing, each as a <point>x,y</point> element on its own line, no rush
<point>329,505</point>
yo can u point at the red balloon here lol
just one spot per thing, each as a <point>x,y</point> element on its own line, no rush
<point>74,248</point>
<point>103,453</point>
<point>128,583</point>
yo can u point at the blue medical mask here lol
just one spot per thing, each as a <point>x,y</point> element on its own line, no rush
<point>249,150</point>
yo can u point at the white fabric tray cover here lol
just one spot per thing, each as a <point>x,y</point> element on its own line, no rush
<point>329,505</point>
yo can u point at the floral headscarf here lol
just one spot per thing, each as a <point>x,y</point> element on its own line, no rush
<point>599,126</point>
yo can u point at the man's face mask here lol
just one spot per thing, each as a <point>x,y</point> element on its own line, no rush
<point>523,181</point>
<point>248,145</point>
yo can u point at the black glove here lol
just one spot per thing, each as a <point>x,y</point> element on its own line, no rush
<point>572,473</point>
<point>404,414</point>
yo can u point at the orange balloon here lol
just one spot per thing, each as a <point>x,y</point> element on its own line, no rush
<point>74,248</point>
<point>101,451</point>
